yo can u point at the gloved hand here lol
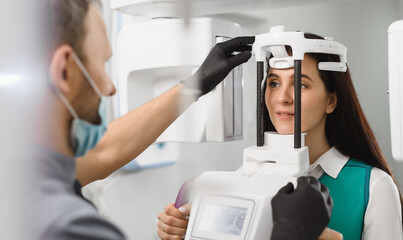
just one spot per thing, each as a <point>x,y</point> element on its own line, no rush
<point>302,213</point>
<point>219,62</point>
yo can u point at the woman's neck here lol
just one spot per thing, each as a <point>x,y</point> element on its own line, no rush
<point>317,143</point>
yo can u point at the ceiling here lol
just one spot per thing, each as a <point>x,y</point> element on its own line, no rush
<point>195,8</point>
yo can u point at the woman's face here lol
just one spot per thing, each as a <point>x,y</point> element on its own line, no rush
<point>316,102</point>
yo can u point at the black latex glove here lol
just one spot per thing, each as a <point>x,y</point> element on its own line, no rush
<point>302,213</point>
<point>219,62</point>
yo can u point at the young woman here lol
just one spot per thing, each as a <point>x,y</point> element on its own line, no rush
<point>344,154</point>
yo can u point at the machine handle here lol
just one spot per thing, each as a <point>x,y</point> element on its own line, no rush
<point>183,196</point>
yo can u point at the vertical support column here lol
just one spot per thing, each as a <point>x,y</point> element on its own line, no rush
<point>259,108</point>
<point>297,103</point>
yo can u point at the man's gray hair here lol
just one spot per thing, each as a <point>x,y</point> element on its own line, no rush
<point>64,23</point>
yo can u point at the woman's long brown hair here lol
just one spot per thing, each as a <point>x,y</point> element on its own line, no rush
<point>346,128</point>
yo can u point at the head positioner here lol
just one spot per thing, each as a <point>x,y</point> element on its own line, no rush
<point>275,43</point>
<point>276,40</point>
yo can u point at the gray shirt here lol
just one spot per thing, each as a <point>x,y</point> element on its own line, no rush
<point>58,212</point>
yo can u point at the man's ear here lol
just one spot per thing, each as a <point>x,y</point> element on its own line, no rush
<point>332,102</point>
<point>59,69</point>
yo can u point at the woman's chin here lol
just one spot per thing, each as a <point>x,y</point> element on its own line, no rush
<point>285,131</point>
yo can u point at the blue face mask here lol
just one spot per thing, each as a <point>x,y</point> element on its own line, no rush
<point>85,135</point>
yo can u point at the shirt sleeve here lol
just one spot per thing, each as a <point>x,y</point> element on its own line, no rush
<point>383,218</point>
<point>80,225</point>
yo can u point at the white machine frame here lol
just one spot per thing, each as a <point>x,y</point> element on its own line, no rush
<point>274,160</point>
<point>276,40</point>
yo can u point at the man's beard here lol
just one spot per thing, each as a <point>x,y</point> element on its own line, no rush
<point>88,104</point>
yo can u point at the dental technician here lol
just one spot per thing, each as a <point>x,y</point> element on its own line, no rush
<point>72,121</point>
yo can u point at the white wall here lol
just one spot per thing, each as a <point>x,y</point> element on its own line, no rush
<point>399,8</point>
<point>133,200</point>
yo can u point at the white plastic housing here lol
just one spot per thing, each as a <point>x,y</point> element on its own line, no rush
<point>149,8</point>
<point>276,40</point>
<point>232,190</point>
<point>244,196</point>
<point>154,56</point>
<point>276,156</point>
<point>191,8</point>
<point>395,33</point>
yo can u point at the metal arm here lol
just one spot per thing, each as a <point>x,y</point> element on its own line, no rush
<point>259,108</point>
<point>297,104</point>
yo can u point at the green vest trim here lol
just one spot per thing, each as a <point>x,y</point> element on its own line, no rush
<point>350,194</point>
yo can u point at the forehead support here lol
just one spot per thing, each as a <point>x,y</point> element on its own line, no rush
<point>275,43</point>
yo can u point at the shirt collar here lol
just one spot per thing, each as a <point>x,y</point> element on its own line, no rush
<point>332,162</point>
<point>54,165</point>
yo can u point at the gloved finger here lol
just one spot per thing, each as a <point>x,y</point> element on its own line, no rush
<point>240,50</point>
<point>243,48</point>
<point>231,45</point>
<point>324,189</point>
<point>308,181</point>
<point>287,189</point>
<point>330,203</point>
<point>239,59</point>
<point>314,182</point>
<point>326,195</point>
<point>302,182</point>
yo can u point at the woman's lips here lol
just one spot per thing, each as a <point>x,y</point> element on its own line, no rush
<point>285,115</point>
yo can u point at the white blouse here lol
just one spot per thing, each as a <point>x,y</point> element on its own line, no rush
<point>383,218</point>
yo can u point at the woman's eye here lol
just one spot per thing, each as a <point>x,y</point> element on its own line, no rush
<point>274,84</point>
<point>303,86</point>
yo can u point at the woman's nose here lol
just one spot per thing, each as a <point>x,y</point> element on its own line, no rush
<point>286,95</point>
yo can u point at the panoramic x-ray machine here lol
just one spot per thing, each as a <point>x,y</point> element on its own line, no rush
<point>236,205</point>
<point>173,49</point>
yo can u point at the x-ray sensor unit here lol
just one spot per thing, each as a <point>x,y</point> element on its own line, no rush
<point>156,55</point>
<point>158,49</point>
<point>237,205</point>
<point>395,38</point>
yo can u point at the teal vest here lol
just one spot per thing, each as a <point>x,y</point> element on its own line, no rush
<point>350,194</point>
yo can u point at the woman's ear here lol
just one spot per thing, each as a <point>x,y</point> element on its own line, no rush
<point>332,104</point>
<point>59,69</point>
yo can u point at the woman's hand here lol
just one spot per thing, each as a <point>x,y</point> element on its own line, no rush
<point>173,222</point>
<point>329,234</point>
